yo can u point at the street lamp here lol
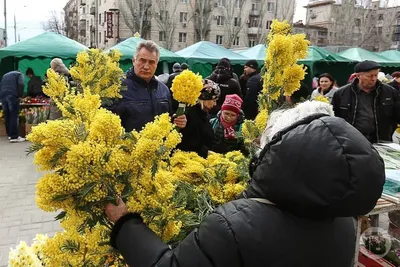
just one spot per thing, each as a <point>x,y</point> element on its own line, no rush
<point>15,24</point>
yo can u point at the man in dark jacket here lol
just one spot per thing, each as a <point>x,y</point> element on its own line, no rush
<point>145,96</point>
<point>11,89</point>
<point>250,69</point>
<point>34,84</point>
<point>295,206</point>
<point>370,106</point>
<point>253,89</point>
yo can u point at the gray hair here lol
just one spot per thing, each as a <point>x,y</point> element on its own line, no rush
<point>280,119</point>
<point>148,45</point>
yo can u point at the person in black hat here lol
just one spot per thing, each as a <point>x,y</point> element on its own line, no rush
<point>184,66</point>
<point>370,106</point>
<point>250,69</point>
<point>252,89</point>
<point>222,75</point>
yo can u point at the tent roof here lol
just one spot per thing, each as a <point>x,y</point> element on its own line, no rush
<point>207,52</point>
<point>47,44</point>
<point>392,55</point>
<point>360,54</point>
<point>314,54</point>
<point>128,47</point>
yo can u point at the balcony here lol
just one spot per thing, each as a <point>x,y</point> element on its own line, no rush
<point>82,24</point>
<point>253,31</point>
<point>82,2</point>
<point>92,10</point>
<point>254,13</point>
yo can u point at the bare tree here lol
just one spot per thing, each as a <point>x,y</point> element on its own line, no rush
<point>70,29</point>
<point>285,10</point>
<point>232,13</point>
<point>165,16</point>
<point>201,14</point>
<point>55,23</point>
<point>360,23</point>
<point>136,15</point>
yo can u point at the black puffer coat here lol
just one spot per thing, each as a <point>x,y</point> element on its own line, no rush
<point>228,85</point>
<point>319,175</point>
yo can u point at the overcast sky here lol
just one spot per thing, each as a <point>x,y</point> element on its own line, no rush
<point>30,15</point>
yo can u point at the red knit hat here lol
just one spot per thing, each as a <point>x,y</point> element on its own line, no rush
<point>232,103</point>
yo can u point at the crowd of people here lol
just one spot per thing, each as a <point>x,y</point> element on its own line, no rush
<point>313,198</point>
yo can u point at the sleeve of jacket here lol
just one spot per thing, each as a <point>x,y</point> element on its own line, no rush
<point>212,245</point>
<point>313,94</point>
<point>237,88</point>
<point>396,102</point>
<point>336,103</point>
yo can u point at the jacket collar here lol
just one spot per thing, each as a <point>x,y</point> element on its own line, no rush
<point>355,87</point>
<point>132,75</point>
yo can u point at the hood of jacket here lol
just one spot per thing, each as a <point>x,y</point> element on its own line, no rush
<point>322,169</point>
<point>221,75</point>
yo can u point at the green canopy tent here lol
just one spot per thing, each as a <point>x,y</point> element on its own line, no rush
<point>360,54</point>
<point>318,61</point>
<point>37,52</point>
<point>392,55</point>
<point>128,47</point>
<point>202,56</point>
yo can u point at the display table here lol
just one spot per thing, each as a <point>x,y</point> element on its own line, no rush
<point>382,206</point>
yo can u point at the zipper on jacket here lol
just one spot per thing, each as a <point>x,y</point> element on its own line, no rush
<point>355,108</point>
<point>375,114</point>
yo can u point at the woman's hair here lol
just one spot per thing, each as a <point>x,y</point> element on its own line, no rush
<point>327,75</point>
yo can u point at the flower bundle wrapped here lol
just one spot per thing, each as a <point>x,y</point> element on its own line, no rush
<point>36,115</point>
<point>186,89</point>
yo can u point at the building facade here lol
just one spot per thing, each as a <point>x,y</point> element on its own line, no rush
<point>317,35</point>
<point>175,24</point>
<point>368,24</point>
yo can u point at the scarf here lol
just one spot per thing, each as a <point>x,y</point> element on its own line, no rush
<point>229,132</point>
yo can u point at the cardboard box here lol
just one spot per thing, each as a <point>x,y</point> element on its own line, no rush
<point>368,259</point>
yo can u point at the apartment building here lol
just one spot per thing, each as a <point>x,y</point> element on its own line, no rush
<point>175,24</point>
<point>363,23</point>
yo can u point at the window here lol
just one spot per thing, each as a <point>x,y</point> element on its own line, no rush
<point>163,15</point>
<point>99,37</point>
<point>236,41</point>
<point>219,39</point>
<point>221,3</point>
<point>237,21</point>
<point>357,22</point>
<point>105,36</point>
<point>220,20</point>
<point>254,7</point>
<point>253,22</point>
<point>269,23</point>
<point>237,3</point>
<point>83,10</point>
<point>182,37</point>
<point>99,2</point>
<point>252,42</point>
<point>161,36</point>
<point>380,17</point>
<point>270,7</point>
<point>379,30</point>
<point>183,17</point>
<point>99,18</point>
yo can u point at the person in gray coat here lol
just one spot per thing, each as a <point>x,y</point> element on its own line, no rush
<point>326,87</point>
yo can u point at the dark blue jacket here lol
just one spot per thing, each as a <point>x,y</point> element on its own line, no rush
<point>141,102</point>
<point>12,84</point>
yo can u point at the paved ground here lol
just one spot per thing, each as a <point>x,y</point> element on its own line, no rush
<point>20,219</point>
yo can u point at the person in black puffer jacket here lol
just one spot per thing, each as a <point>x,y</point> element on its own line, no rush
<point>198,134</point>
<point>307,183</point>
<point>253,89</point>
<point>222,75</point>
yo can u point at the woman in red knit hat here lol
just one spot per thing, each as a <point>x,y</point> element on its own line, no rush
<point>227,126</point>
